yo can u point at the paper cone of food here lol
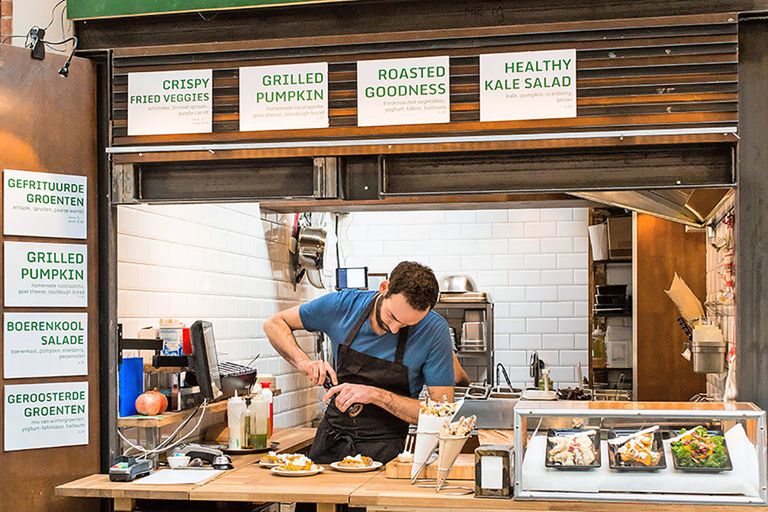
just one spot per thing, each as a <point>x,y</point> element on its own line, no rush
<point>449,448</point>
<point>432,417</point>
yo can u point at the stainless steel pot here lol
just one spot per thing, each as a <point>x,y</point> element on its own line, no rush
<point>309,254</point>
<point>457,284</point>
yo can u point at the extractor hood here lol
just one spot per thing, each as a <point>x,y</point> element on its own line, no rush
<point>692,207</point>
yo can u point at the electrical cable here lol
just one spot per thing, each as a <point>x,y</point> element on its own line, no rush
<point>53,15</point>
<point>164,446</point>
<point>336,232</point>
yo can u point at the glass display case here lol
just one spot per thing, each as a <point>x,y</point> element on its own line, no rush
<point>658,452</point>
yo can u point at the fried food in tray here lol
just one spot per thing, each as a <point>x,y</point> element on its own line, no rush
<point>573,449</point>
<point>640,453</point>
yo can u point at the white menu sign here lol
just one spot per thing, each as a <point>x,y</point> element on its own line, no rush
<point>168,102</point>
<point>45,415</point>
<point>403,91</point>
<point>284,97</point>
<point>45,344</point>
<point>46,274</point>
<point>44,204</point>
<point>528,85</point>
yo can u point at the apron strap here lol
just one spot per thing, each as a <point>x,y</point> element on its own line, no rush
<point>402,339</point>
<point>359,323</point>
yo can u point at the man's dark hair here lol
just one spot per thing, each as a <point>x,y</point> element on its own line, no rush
<point>416,282</point>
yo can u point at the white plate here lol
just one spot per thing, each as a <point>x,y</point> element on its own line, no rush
<point>266,464</point>
<point>347,469</point>
<point>317,469</point>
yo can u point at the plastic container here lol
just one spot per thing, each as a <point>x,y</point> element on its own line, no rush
<point>235,409</point>
<point>598,348</point>
<point>256,423</point>
<point>269,397</point>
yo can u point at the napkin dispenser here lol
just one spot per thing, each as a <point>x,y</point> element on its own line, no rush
<point>493,471</point>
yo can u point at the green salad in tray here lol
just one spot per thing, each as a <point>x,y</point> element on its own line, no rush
<point>699,449</point>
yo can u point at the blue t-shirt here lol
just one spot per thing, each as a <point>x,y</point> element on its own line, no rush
<point>428,353</point>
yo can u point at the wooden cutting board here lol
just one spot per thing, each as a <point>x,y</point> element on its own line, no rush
<point>463,469</point>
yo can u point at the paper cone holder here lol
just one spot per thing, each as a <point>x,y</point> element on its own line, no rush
<point>449,450</point>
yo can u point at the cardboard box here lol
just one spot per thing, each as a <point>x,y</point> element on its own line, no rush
<point>620,238</point>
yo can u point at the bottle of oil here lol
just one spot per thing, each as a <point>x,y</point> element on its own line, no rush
<point>246,424</point>
<point>259,434</point>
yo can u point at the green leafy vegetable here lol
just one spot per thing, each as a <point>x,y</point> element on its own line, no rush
<point>700,450</point>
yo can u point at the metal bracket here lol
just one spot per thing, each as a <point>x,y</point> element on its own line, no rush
<point>123,184</point>
<point>326,180</point>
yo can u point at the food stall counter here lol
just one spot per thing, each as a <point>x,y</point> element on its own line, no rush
<point>124,493</point>
<point>398,495</point>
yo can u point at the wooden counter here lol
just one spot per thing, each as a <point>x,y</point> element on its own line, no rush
<point>257,484</point>
<point>385,494</point>
<point>99,485</point>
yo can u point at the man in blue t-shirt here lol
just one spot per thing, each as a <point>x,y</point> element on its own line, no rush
<point>387,345</point>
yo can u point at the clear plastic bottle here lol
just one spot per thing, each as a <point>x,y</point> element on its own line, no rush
<point>259,430</point>
<point>235,408</point>
<point>268,396</point>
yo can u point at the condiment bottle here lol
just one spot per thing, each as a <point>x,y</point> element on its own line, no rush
<point>259,431</point>
<point>235,408</point>
<point>267,394</point>
<point>246,423</point>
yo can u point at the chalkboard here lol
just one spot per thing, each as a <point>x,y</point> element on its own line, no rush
<point>88,9</point>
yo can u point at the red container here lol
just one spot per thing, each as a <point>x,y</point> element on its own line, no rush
<point>186,341</point>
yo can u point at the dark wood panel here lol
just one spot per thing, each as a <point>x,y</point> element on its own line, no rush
<point>751,218</point>
<point>38,136</point>
<point>664,248</point>
<point>447,147</point>
<point>370,17</point>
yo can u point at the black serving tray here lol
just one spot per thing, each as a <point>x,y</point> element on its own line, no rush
<point>558,432</point>
<point>614,459</point>
<point>702,469</point>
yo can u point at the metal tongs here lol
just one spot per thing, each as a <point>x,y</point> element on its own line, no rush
<point>353,410</point>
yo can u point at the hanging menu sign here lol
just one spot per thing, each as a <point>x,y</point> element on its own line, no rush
<point>44,204</point>
<point>168,102</point>
<point>528,85</point>
<point>403,91</point>
<point>45,415</point>
<point>46,274</point>
<point>285,97</point>
<point>45,344</point>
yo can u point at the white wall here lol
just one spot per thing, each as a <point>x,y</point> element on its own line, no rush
<point>28,13</point>
<point>223,263</point>
<point>533,262</point>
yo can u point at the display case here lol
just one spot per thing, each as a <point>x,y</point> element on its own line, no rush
<point>722,462</point>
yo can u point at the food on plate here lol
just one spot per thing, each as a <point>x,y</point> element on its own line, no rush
<point>358,461</point>
<point>640,449</point>
<point>460,428</point>
<point>297,463</point>
<point>278,458</point>
<point>572,450</point>
<point>442,409</point>
<point>698,449</point>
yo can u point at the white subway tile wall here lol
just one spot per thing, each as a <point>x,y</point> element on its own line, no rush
<point>224,263</point>
<point>532,261</point>
<point>725,316</point>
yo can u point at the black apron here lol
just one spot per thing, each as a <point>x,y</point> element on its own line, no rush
<point>375,432</point>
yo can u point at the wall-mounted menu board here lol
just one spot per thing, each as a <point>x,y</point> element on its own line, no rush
<point>45,345</point>
<point>528,85</point>
<point>45,415</point>
<point>38,274</point>
<point>403,91</point>
<point>167,102</point>
<point>284,97</point>
<point>44,204</point>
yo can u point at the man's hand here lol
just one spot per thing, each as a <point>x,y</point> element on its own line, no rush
<point>316,371</point>
<point>348,394</point>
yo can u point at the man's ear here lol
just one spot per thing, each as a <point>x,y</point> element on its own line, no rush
<point>384,287</point>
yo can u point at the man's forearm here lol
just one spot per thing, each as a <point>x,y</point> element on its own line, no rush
<point>403,407</point>
<point>281,338</point>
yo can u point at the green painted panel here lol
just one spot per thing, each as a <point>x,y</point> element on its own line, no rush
<point>87,9</point>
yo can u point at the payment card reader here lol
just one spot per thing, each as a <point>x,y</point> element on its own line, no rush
<point>128,469</point>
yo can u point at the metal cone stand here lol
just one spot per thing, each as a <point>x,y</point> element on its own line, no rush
<point>449,449</point>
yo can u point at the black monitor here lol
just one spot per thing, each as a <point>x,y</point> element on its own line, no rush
<point>205,362</point>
